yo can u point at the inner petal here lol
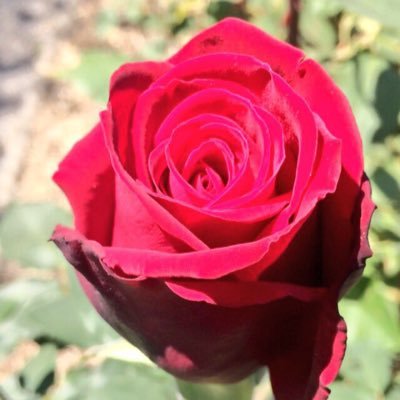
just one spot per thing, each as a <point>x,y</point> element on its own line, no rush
<point>200,162</point>
<point>206,175</point>
<point>232,107</point>
<point>207,180</point>
<point>213,154</point>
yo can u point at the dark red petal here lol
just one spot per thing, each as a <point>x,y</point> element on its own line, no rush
<point>241,294</point>
<point>362,250</point>
<point>301,342</point>
<point>309,357</point>
<point>347,244</point>
<point>87,179</point>
<point>192,340</point>
<point>299,261</point>
<point>367,209</point>
<point>341,216</point>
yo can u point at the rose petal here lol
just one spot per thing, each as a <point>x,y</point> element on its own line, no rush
<point>86,177</point>
<point>165,220</point>
<point>191,340</point>
<point>309,357</point>
<point>301,342</point>
<point>303,251</point>
<point>126,85</point>
<point>264,186</point>
<point>247,253</point>
<point>211,152</point>
<point>309,80</point>
<point>358,250</point>
<point>300,131</point>
<point>241,294</point>
<point>313,84</point>
<point>134,227</point>
<point>233,35</point>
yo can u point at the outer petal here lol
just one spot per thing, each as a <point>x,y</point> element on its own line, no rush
<point>301,342</point>
<point>233,35</point>
<point>341,211</point>
<point>192,340</point>
<point>346,246</point>
<point>241,294</point>
<point>329,102</point>
<point>362,250</point>
<point>308,358</point>
<point>87,179</point>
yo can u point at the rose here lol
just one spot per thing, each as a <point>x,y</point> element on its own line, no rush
<point>221,209</point>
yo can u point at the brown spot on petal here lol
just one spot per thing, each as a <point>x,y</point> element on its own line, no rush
<point>212,41</point>
<point>301,72</point>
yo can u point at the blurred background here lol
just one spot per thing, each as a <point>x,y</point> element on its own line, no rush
<point>55,60</point>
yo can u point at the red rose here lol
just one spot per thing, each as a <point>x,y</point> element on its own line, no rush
<point>221,209</point>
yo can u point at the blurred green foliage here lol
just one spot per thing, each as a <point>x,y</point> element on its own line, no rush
<point>358,42</point>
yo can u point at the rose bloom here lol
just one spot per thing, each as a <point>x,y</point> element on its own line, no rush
<point>221,210</point>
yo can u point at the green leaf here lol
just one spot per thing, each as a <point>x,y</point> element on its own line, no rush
<point>116,380</point>
<point>55,308</point>
<point>370,83</point>
<point>38,374</point>
<point>121,350</point>
<point>342,390</point>
<point>323,8</point>
<point>369,365</point>
<point>24,233</point>
<point>94,71</point>
<point>14,304</point>
<point>238,391</point>
<point>317,31</point>
<point>394,393</point>
<point>268,14</point>
<point>388,47</point>
<point>387,12</point>
<point>372,316</point>
<point>347,76</point>
<point>10,389</point>
<point>61,313</point>
<point>66,315</point>
<point>387,183</point>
